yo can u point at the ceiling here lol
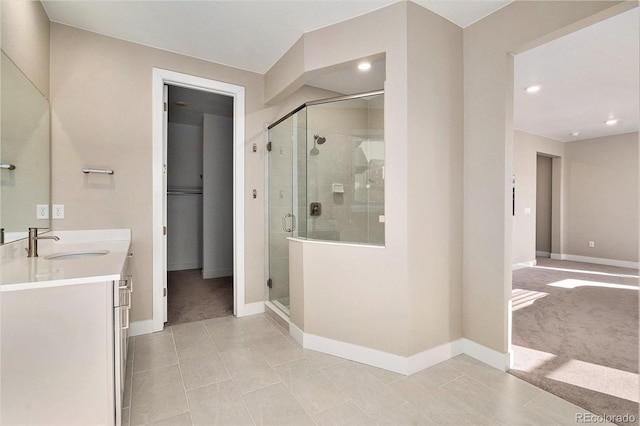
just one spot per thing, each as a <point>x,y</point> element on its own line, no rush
<point>186,106</point>
<point>245,34</point>
<point>586,77</point>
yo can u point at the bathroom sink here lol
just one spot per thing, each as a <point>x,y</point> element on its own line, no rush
<point>81,254</point>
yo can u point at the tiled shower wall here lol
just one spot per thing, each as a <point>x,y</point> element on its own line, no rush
<point>352,157</point>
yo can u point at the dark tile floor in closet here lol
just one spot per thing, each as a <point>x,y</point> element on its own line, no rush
<point>192,298</point>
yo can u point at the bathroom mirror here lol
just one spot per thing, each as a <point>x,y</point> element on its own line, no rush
<point>24,153</point>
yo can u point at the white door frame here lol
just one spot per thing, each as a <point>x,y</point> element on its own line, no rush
<point>160,78</point>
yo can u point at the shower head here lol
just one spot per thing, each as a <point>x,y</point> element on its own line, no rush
<point>319,139</point>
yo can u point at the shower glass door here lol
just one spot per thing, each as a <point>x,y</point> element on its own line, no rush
<point>287,167</point>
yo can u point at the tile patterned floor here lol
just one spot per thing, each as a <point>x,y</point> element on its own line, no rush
<point>248,371</point>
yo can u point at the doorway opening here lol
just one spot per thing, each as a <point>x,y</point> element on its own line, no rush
<point>544,177</point>
<point>199,205</point>
<point>569,312</point>
<point>162,81</point>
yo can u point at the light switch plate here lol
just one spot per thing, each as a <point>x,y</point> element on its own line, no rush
<point>58,211</point>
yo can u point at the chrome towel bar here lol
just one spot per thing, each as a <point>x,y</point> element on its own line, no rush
<point>105,171</point>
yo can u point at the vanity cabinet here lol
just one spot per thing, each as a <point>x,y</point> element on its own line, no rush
<point>64,352</point>
<point>122,292</point>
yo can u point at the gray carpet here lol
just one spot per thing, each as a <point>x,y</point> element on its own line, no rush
<point>575,334</point>
<point>192,298</point>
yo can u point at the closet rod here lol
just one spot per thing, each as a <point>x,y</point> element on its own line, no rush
<point>194,192</point>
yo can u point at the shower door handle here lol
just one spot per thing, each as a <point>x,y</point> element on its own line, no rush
<point>284,222</point>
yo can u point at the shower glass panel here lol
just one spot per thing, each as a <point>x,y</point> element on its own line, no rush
<point>287,204</point>
<point>326,179</point>
<point>345,170</point>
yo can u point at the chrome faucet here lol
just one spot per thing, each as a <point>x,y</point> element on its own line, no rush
<point>32,251</point>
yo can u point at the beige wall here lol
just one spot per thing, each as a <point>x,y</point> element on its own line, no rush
<point>434,178</point>
<point>101,117</point>
<point>25,39</point>
<point>358,294</point>
<point>598,180</point>
<point>101,101</point>
<point>602,202</point>
<point>290,66</point>
<point>404,298</point>
<point>526,148</point>
<point>488,145</point>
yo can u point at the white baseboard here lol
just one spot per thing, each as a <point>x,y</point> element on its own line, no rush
<point>297,334</point>
<point>138,328</point>
<point>250,309</point>
<point>381,359</point>
<point>182,266</point>
<point>217,273</point>
<point>374,357</point>
<point>542,253</point>
<point>489,356</point>
<point>522,265</point>
<point>596,260</point>
<point>433,356</point>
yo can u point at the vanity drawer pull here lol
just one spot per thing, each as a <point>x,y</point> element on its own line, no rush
<point>124,311</point>
<point>128,283</point>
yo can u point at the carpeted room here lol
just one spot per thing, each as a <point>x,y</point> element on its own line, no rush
<point>575,222</point>
<point>575,333</point>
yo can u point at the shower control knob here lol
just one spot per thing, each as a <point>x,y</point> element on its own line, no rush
<point>315,209</point>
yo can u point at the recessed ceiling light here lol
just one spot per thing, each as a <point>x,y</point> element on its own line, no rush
<point>364,66</point>
<point>575,133</point>
<point>533,89</point>
<point>611,122</point>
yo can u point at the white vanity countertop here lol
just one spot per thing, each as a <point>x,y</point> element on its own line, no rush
<point>19,272</point>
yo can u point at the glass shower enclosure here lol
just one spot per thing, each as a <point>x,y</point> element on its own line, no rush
<point>326,179</point>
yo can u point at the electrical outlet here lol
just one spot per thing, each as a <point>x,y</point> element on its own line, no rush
<point>592,244</point>
<point>58,211</point>
<point>42,211</point>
